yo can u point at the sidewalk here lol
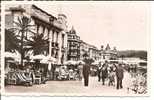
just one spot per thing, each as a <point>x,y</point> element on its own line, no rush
<point>77,88</point>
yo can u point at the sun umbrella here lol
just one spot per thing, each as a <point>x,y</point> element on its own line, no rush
<point>38,57</point>
<point>44,61</point>
<point>11,55</point>
<point>70,62</point>
<point>48,59</point>
<point>80,62</point>
<point>51,59</point>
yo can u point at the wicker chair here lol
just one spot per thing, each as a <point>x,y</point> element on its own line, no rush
<point>37,78</point>
<point>11,78</point>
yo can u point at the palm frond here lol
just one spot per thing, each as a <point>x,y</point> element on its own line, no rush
<point>17,24</point>
<point>20,21</point>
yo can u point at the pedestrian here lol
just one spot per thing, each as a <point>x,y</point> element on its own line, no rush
<point>86,71</point>
<point>120,76</point>
<point>99,72</point>
<point>80,67</point>
<point>111,77</point>
<point>53,67</point>
<point>104,73</point>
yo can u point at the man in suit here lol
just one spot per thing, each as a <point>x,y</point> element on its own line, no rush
<point>120,76</point>
<point>104,73</point>
<point>99,72</point>
<point>86,71</point>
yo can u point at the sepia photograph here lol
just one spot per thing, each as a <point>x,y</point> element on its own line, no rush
<point>76,48</point>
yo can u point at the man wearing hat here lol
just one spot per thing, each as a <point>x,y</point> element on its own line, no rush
<point>119,75</point>
<point>86,72</point>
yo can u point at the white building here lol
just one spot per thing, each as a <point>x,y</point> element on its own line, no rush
<point>52,27</point>
<point>108,53</point>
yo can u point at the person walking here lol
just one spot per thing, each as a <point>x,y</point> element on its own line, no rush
<point>80,67</point>
<point>104,73</point>
<point>99,72</point>
<point>111,77</point>
<point>86,71</point>
<point>120,76</point>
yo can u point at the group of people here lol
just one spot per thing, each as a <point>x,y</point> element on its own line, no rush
<point>104,72</point>
<point>111,72</point>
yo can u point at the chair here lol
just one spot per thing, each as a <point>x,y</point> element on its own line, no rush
<point>27,77</point>
<point>37,78</point>
<point>11,78</point>
<point>71,75</point>
<point>22,79</point>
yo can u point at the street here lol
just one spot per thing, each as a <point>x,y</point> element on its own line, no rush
<point>76,88</point>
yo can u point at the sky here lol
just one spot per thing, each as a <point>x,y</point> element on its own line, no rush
<point>121,24</point>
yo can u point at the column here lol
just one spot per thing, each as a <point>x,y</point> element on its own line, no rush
<point>50,51</point>
<point>46,32</point>
<point>55,33</point>
<point>40,29</point>
<point>59,39</point>
<point>50,41</point>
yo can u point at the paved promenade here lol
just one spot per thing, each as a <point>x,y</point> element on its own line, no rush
<point>77,88</point>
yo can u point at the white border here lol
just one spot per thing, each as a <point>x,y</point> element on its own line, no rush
<point>2,47</point>
<point>62,2</point>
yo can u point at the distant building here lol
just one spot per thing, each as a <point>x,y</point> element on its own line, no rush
<point>108,53</point>
<point>84,49</point>
<point>73,46</point>
<point>53,28</point>
<point>94,53</point>
<point>91,50</point>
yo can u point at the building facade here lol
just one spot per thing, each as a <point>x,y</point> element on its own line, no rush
<point>108,54</point>
<point>89,49</point>
<point>94,53</point>
<point>73,46</point>
<point>84,49</point>
<point>52,28</point>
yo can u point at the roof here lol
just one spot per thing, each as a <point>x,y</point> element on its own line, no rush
<point>72,31</point>
<point>43,11</point>
<point>62,15</point>
<point>107,47</point>
<point>19,8</point>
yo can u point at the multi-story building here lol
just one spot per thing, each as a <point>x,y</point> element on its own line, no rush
<point>108,53</point>
<point>91,50</point>
<point>53,28</point>
<point>73,46</point>
<point>84,49</point>
<point>94,53</point>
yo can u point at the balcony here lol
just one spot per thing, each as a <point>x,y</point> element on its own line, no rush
<point>73,55</point>
<point>56,44</point>
<point>53,44</point>
<point>62,49</point>
<point>58,25</point>
<point>74,40</point>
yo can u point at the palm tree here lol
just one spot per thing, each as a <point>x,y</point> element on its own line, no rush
<point>38,44</point>
<point>23,26</point>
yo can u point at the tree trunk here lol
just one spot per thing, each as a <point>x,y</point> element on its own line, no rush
<point>21,48</point>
